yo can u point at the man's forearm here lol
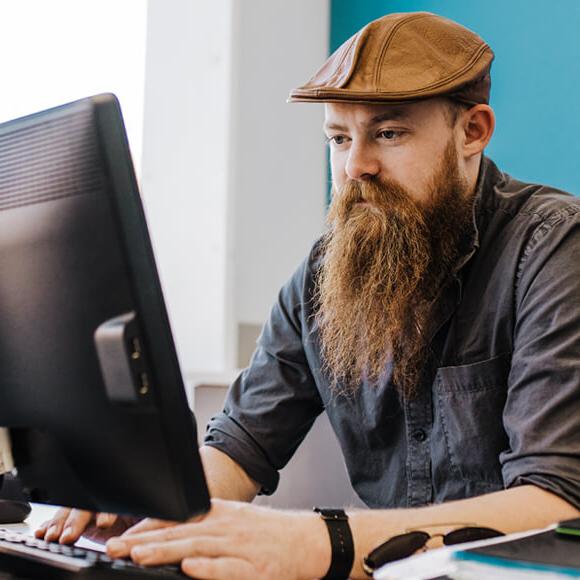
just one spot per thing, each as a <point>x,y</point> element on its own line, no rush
<point>517,509</point>
<point>236,539</point>
<point>225,478</point>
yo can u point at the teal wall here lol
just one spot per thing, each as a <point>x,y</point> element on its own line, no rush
<point>535,76</point>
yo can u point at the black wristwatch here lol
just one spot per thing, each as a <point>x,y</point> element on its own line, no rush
<point>341,543</point>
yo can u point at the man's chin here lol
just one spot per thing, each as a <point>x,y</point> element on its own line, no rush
<point>362,208</point>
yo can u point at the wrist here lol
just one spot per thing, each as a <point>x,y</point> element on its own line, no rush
<point>341,543</point>
<point>313,542</point>
<point>360,548</point>
<point>373,527</point>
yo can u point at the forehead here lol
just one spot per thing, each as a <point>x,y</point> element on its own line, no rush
<point>353,114</point>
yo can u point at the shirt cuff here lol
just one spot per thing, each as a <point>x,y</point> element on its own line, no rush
<point>227,435</point>
<point>560,477</point>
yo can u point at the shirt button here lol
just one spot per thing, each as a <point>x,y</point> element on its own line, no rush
<point>419,435</point>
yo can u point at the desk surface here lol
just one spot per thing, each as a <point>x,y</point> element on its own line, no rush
<point>39,514</point>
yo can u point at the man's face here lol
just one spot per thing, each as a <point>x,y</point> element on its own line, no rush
<point>399,219</point>
<point>399,143</point>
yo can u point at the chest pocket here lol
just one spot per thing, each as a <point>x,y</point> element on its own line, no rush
<point>468,408</point>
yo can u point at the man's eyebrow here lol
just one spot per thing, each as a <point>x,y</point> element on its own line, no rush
<point>333,126</point>
<point>394,114</point>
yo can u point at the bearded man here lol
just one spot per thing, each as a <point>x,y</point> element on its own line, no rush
<point>437,322</point>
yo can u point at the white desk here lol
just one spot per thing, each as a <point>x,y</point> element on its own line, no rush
<point>39,514</point>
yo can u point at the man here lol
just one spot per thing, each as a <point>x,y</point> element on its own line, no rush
<point>437,323</point>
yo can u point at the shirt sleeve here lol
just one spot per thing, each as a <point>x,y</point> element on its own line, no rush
<point>542,411</point>
<point>274,402</point>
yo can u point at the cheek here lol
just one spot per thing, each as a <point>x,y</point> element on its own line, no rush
<point>408,170</point>
<point>337,169</point>
<point>415,172</point>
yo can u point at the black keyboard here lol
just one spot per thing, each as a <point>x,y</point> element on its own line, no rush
<point>29,557</point>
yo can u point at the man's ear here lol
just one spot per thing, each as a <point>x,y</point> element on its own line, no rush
<point>478,124</point>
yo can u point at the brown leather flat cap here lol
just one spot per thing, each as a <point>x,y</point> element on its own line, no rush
<point>404,57</point>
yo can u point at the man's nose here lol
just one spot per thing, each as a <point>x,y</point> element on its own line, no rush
<point>362,164</point>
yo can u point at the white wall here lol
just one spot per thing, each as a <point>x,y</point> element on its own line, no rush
<point>233,177</point>
<point>279,163</point>
<point>185,169</point>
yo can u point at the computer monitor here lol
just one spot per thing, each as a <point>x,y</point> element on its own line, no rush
<point>90,386</point>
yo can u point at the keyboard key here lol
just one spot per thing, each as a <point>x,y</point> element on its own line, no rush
<point>39,556</point>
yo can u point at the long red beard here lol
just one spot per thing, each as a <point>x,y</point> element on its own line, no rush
<point>385,260</point>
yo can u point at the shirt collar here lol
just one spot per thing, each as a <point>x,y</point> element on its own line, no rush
<point>484,201</point>
<point>489,175</point>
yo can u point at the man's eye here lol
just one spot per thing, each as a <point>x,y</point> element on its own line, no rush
<point>336,139</point>
<point>389,134</point>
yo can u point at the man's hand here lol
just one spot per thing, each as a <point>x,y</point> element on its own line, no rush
<point>226,479</point>
<point>68,525</point>
<point>234,540</point>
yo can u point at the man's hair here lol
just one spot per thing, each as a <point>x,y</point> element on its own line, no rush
<point>453,110</point>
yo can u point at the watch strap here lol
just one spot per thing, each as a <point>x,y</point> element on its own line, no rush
<point>341,543</point>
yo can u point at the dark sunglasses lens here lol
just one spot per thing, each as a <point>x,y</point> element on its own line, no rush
<point>470,535</point>
<point>396,548</point>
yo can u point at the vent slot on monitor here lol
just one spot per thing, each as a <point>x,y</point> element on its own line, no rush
<point>36,164</point>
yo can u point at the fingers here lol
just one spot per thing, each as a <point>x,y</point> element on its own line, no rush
<point>156,554</point>
<point>105,520</point>
<point>51,529</point>
<point>69,524</point>
<point>73,527</point>
<point>147,525</point>
<point>218,568</point>
<point>121,547</point>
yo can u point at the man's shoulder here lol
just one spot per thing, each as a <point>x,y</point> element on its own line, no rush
<point>299,287</point>
<point>316,254</point>
<point>526,200</point>
<point>311,263</point>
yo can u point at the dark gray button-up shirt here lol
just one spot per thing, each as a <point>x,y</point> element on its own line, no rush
<point>501,407</point>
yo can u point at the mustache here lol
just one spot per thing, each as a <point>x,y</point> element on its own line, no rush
<point>384,195</point>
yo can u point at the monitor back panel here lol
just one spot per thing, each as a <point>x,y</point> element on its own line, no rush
<point>74,255</point>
